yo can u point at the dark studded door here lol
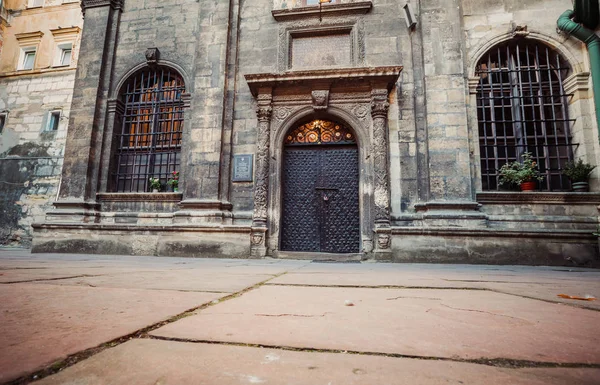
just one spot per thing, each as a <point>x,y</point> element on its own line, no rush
<point>320,196</point>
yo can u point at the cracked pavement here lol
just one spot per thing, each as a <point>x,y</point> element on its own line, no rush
<point>80,319</point>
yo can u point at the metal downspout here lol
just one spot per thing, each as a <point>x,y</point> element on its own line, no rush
<point>592,41</point>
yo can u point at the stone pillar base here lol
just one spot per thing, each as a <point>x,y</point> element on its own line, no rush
<point>74,211</point>
<point>451,214</point>
<point>258,246</point>
<point>383,243</point>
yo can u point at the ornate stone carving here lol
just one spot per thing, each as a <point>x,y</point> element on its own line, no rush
<point>384,241</point>
<point>306,27</point>
<point>261,186</point>
<point>152,56</point>
<point>281,113</point>
<point>379,147</point>
<point>379,103</point>
<point>257,238</point>
<point>367,245</point>
<point>361,111</point>
<point>320,99</point>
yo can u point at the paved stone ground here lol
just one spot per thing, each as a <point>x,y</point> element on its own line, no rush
<point>77,319</point>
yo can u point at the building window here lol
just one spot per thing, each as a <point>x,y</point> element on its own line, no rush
<point>522,107</point>
<point>27,59</point>
<point>148,141</point>
<point>53,120</point>
<point>63,55</point>
<point>2,122</point>
<point>35,3</point>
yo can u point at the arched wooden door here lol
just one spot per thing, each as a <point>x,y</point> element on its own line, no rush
<point>320,189</point>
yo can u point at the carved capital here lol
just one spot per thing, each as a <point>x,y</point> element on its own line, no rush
<point>320,99</point>
<point>152,56</point>
<point>264,109</point>
<point>264,113</point>
<point>379,103</point>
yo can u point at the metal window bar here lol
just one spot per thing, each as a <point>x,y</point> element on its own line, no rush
<point>522,107</point>
<point>149,142</point>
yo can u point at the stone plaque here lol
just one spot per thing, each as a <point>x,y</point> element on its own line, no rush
<point>321,51</point>
<point>242,168</point>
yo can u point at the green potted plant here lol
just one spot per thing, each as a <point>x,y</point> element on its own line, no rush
<point>523,174</point>
<point>579,174</point>
<point>154,184</point>
<point>174,181</point>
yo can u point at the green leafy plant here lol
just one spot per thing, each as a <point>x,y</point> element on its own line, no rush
<point>154,183</point>
<point>519,172</point>
<point>174,181</point>
<point>578,171</point>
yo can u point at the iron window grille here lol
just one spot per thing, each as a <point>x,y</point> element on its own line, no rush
<point>522,107</point>
<point>148,143</point>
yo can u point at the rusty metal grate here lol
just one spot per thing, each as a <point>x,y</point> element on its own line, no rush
<point>522,107</point>
<point>149,142</point>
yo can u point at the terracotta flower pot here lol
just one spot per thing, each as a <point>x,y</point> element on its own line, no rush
<point>528,186</point>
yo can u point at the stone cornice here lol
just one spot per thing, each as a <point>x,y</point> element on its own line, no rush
<point>65,33</point>
<point>547,198</point>
<point>29,37</point>
<point>500,233</point>
<point>375,77</point>
<point>357,8</point>
<point>115,4</point>
<point>196,228</point>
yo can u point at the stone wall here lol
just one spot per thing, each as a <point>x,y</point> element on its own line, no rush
<point>31,157</point>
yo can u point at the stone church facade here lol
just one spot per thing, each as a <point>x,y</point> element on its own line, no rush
<point>368,129</point>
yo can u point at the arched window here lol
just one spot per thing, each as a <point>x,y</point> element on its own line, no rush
<point>148,142</point>
<point>522,107</point>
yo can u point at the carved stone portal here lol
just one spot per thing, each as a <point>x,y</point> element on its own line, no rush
<point>361,101</point>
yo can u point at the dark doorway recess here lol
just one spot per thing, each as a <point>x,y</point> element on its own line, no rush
<point>320,190</point>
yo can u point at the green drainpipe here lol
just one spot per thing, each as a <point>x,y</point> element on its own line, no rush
<point>592,41</point>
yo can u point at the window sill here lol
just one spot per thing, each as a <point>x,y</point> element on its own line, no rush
<point>547,198</point>
<point>140,197</point>
<point>360,7</point>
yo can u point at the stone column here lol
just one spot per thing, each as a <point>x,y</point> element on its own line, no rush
<point>380,151</point>
<point>88,117</point>
<point>261,180</point>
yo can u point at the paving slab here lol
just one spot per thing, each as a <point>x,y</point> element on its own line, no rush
<point>164,362</point>
<point>429,323</point>
<point>208,280</point>
<point>536,282</point>
<point>40,324</point>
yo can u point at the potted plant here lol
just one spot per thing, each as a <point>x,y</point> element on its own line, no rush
<point>174,181</point>
<point>579,173</point>
<point>523,174</point>
<point>154,184</point>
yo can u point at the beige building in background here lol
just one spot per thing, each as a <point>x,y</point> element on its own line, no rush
<point>38,58</point>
